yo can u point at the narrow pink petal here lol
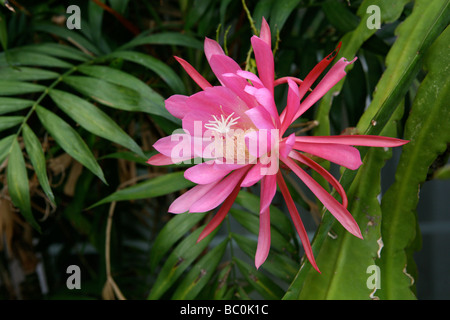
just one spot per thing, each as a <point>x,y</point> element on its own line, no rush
<point>264,62</point>
<point>167,144</point>
<point>355,140</point>
<point>162,160</point>
<point>335,208</point>
<point>265,98</point>
<point>176,105</point>
<point>317,71</point>
<point>261,118</point>
<point>264,33</point>
<point>256,82</point>
<point>268,190</point>
<point>324,173</point>
<point>336,73</point>
<point>252,176</point>
<point>208,172</point>
<point>185,201</point>
<point>297,220</point>
<point>292,106</point>
<point>221,214</point>
<point>286,145</point>
<point>263,248</point>
<point>197,77</point>
<point>211,48</point>
<point>219,193</point>
<point>342,155</point>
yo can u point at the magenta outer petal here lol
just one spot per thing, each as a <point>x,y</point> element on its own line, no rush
<point>336,73</point>
<point>296,220</point>
<point>219,193</point>
<point>265,34</point>
<point>268,190</point>
<point>355,140</point>
<point>264,62</point>
<point>292,106</point>
<point>208,172</point>
<point>343,155</point>
<point>177,106</point>
<point>160,160</point>
<point>252,176</point>
<point>185,201</point>
<point>261,118</point>
<point>263,248</point>
<point>197,77</point>
<point>335,208</point>
<point>165,145</point>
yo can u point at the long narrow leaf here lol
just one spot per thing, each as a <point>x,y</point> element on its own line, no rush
<point>69,140</point>
<point>18,187</point>
<point>93,119</point>
<point>34,150</point>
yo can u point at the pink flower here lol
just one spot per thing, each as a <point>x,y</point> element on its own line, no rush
<point>237,130</point>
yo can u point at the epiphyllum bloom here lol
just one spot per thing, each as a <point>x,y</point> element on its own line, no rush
<point>241,111</point>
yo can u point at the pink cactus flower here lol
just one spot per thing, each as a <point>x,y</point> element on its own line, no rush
<point>235,136</point>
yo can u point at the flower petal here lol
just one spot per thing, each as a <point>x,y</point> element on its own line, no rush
<point>264,33</point>
<point>336,73</point>
<point>197,77</point>
<point>221,214</point>
<point>292,106</point>
<point>263,247</point>
<point>268,190</point>
<point>177,106</point>
<point>324,173</point>
<point>264,62</point>
<point>335,208</point>
<point>343,155</point>
<point>185,201</point>
<point>209,172</point>
<point>162,160</point>
<point>355,140</point>
<point>253,175</point>
<point>219,192</point>
<point>297,220</point>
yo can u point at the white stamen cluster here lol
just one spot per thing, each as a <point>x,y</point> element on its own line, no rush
<point>223,125</point>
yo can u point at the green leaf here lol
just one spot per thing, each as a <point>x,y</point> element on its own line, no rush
<point>69,140</point>
<point>427,130</point>
<point>27,74</point>
<point>3,32</point>
<point>21,57</point>
<point>18,187</point>
<point>165,38</point>
<point>93,119</point>
<point>142,97</point>
<point>251,223</point>
<point>404,60</point>
<point>9,88</point>
<point>173,230</point>
<point>278,264</point>
<point>13,104</point>
<point>34,150</point>
<point>58,50</point>
<point>278,219</point>
<point>182,256</point>
<point>69,35</point>
<point>9,122</point>
<point>155,187</point>
<point>200,274</point>
<point>267,288</point>
<point>5,146</point>
<point>157,66</point>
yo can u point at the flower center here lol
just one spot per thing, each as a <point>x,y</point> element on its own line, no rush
<point>223,125</point>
